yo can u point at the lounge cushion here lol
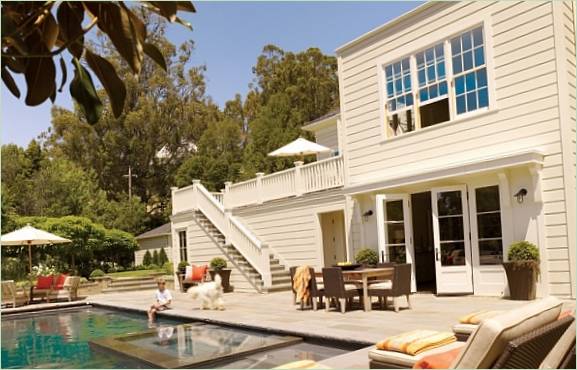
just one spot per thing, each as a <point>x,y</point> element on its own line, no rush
<point>387,284</point>
<point>464,328</point>
<point>561,349</point>
<point>476,317</point>
<point>488,342</point>
<point>416,341</point>
<point>188,273</point>
<point>407,361</point>
<point>438,361</point>
<point>351,287</point>
<point>59,281</point>
<point>302,364</point>
<point>44,282</point>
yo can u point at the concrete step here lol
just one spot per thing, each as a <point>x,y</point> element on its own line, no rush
<point>120,284</point>
<point>129,289</point>
<point>280,287</point>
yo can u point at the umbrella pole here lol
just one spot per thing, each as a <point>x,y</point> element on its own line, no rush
<point>30,256</point>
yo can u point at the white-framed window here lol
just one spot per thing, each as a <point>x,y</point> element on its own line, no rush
<point>438,83</point>
<point>182,245</point>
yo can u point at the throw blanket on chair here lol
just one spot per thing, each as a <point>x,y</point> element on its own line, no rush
<point>476,317</point>
<point>301,282</point>
<point>417,341</point>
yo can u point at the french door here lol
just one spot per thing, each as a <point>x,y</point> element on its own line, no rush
<point>453,265</point>
<point>395,231</point>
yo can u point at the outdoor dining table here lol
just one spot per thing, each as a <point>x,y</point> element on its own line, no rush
<point>363,275</point>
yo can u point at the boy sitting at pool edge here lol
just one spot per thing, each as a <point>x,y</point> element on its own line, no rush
<point>163,299</point>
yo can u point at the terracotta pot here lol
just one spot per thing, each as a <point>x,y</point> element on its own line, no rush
<point>225,276</point>
<point>522,279</point>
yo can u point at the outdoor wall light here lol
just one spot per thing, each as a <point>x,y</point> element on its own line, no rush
<point>367,214</point>
<point>520,195</point>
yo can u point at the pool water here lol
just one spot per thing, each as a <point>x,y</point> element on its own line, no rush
<point>60,339</point>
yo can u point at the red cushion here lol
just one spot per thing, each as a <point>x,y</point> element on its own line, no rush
<point>59,281</point>
<point>441,360</point>
<point>44,282</point>
<point>198,272</point>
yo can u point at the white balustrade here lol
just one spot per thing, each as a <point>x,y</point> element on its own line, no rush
<point>218,196</point>
<point>182,199</point>
<point>322,175</point>
<point>278,185</point>
<point>241,193</point>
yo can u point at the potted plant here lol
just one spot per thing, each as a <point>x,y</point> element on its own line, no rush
<point>182,267</point>
<point>367,257</point>
<point>218,266</point>
<point>522,270</point>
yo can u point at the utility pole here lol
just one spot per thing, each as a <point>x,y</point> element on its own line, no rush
<point>130,176</point>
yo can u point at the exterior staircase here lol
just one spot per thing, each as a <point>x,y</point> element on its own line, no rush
<point>247,273</point>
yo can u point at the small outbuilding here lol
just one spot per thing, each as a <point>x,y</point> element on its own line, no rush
<point>153,240</point>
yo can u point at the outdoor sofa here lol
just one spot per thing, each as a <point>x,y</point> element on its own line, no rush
<point>513,334</point>
<point>56,287</point>
<point>13,296</point>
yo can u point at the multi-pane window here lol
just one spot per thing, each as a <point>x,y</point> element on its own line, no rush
<point>489,228</point>
<point>427,69</point>
<point>182,245</point>
<point>399,97</point>
<point>469,71</point>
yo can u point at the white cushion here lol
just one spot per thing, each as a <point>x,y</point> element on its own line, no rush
<point>351,287</point>
<point>188,273</point>
<point>387,284</point>
<point>464,328</point>
<point>407,361</point>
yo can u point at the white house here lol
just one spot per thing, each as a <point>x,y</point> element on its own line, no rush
<point>455,137</point>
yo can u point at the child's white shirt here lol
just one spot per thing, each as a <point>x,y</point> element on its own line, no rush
<point>163,297</point>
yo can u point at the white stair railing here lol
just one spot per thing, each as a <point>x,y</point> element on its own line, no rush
<point>244,241</point>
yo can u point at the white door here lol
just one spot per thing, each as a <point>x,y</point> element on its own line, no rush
<point>452,240</point>
<point>395,233</point>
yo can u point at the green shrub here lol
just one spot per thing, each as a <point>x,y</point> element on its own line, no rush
<point>218,263</point>
<point>168,268</point>
<point>139,267</point>
<point>367,256</point>
<point>120,269</point>
<point>155,260</point>
<point>153,266</point>
<point>97,273</point>
<point>13,269</point>
<point>162,257</point>
<point>182,265</point>
<point>522,251</point>
<point>147,259</point>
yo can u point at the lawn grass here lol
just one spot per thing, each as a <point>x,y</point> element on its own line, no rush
<point>137,273</point>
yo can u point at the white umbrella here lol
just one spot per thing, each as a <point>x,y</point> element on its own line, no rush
<point>30,236</point>
<point>300,147</point>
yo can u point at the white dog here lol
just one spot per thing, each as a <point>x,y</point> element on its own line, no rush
<point>210,294</point>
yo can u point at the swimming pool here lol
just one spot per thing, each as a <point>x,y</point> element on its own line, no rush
<point>93,337</point>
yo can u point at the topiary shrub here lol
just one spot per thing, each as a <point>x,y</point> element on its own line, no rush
<point>147,259</point>
<point>182,265</point>
<point>217,263</point>
<point>523,251</point>
<point>522,270</point>
<point>153,266</point>
<point>162,257</point>
<point>155,259</point>
<point>96,273</point>
<point>367,256</point>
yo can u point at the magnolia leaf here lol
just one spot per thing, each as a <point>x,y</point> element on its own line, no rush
<point>184,23</point>
<point>138,25</point>
<point>152,51</point>
<point>70,16</point>
<point>64,74</point>
<point>113,85</point>
<point>16,65</point>
<point>49,31</point>
<point>116,23</point>
<point>185,6</point>
<point>53,96</point>
<point>9,82</point>
<point>83,91</point>
<point>167,9</point>
<point>40,74</point>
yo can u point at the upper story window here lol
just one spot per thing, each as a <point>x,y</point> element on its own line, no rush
<point>449,79</point>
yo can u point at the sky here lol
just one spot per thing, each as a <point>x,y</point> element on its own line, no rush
<point>229,36</point>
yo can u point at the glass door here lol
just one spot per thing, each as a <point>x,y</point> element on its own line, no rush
<point>395,231</point>
<point>452,240</point>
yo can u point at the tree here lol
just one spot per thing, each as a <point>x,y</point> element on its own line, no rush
<point>35,33</point>
<point>147,259</point>
<point>155,259</point>
<point>162,257</point>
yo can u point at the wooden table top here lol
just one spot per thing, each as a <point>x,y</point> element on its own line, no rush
<point>368,272</point>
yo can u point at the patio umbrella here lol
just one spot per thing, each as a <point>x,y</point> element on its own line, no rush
<point>30,236</point>
<point>300,147</point>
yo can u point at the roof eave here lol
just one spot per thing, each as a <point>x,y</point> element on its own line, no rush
<point>314,126</point>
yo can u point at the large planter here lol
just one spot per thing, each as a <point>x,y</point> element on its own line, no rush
<point>225,277</point>
<point>522,278</point>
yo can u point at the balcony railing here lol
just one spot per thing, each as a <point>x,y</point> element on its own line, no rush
<point>296,181</point>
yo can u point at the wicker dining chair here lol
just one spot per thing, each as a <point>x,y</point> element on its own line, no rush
<point>400,285</point>
<point>336,289</point>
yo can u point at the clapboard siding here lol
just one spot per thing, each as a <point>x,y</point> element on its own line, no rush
<point>526,114</point>
<point>290,226</point>
<point>329,137</point>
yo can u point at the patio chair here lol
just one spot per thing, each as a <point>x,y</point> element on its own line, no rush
<point>376,280</point>
<point>335,288</point>
<point>292,271</point>
<point>43,288</point>
<point>11,295</point>
<point>562,356</point>
<point>193,275</point>
<point>399,286</point>
<point>317,291</point>
<point>490,341</point>
<point>68,290</point>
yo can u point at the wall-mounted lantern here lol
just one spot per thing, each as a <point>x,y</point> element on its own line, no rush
<point>520,195</point>
<point>367,214</point>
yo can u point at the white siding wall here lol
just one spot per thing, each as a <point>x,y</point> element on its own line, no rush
<point>201,248</point>
<point>291,227</point>
<point>527,114</point>
<point>152,244</point>
<point>327,136</point>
